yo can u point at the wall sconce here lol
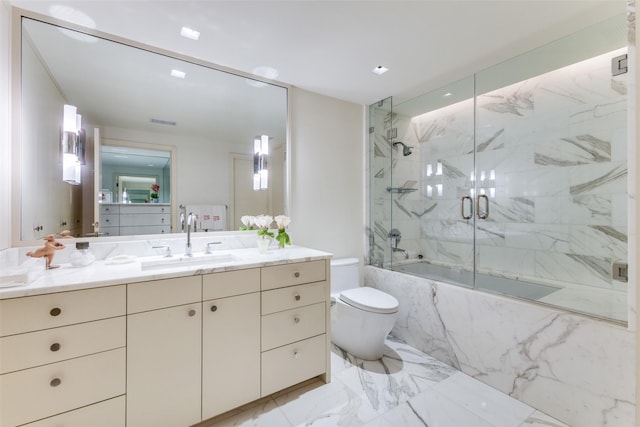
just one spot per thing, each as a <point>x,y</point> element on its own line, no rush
<point>71,145</point>
<point>260,153</point>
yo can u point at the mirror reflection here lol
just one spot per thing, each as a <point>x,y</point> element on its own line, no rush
<point>143,119</point>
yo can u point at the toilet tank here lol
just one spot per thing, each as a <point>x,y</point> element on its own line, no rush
<point>345,274</point>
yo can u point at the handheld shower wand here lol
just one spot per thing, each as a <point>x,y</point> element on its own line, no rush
<point>406,150</point>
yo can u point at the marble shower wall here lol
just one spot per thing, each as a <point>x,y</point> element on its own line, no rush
<point>551,154</point>
<point>576,369</point>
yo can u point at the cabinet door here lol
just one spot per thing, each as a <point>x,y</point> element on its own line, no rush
<point>164,367</point>
<point>230,353</point>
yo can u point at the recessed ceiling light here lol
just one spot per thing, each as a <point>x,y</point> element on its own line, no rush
<point>189,33</point>
<point>179,74</point>
<point>380,69</point>
<point>446,95</point>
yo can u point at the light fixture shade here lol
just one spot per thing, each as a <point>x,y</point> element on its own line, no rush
<point>71,124</point>
<point>71,169</point>
<point>260,170</point>
<point>70,120</point>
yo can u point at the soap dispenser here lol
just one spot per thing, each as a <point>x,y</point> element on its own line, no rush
<point>82,256</point>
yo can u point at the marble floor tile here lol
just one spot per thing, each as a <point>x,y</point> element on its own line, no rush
<point>492,405</point>
<point>405,388</point>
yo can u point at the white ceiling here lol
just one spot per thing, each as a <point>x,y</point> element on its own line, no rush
<point>330,47</point>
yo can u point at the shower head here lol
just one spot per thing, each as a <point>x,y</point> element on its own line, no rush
<point>406,150</point>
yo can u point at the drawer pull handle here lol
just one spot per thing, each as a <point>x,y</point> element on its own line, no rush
<point>55,382</point>
<point>55,346</point>
<point>296,274</point>
<point>296,354</point>
<point>192,313</point>
<point>55,311</point>
<point>296,319</point>
<point>214,308</point>
<point>297,297</point>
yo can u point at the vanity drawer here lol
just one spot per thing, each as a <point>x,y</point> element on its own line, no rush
<point>294,363</point>
<point>145,208</point>
<point>292,325</point>
<point>109,220</point>
<point>293,296</point>
<point>33,313</point>
<point>146,219</point>
<point>156,294</point>
<point>145,229</point>
<point>24,351</point>
<point>230,283</point>
<point>109,231</point>
<point>59,387</point>
<point>279,276</point>
<point>109,209</point>
<point>110,413</point>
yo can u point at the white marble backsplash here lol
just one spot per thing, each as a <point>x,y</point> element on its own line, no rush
<point>576,369</point>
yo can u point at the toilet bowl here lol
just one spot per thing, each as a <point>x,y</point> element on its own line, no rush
<point>361,317</point>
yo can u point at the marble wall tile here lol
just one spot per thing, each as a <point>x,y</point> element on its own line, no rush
<point>563,267</point>
<point>512,261</point>
<point>576,369</point>
<point>539,237</point>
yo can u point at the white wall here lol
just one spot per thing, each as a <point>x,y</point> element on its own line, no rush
<point>5,122</point>
<point>327,161</point>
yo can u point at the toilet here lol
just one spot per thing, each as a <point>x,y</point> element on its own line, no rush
<point>361,317</point>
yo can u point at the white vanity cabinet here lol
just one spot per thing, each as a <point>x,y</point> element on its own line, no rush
<point>62,358</point>
<point>295,324</point>
<point>132,219</point>
<point>230,340</point>
<point>169,352</point>
<point>164,352</point>
<point>146,218</point>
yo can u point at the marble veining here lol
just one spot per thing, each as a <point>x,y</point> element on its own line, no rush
<point>405,388</point>
<point>576,369</point>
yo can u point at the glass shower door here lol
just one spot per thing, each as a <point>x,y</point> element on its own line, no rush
<point>551,173</point>
<point>439,216</point>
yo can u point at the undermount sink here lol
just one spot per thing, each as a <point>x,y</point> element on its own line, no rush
<point>184,261</point>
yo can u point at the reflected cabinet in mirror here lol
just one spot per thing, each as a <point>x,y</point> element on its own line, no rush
<point>109,127</point>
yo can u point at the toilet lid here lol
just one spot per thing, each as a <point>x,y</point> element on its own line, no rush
<point>370,299</point>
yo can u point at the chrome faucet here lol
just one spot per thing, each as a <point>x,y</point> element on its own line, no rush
<point>191,219</point>
<point>404,251</point>
<point>394,239</point>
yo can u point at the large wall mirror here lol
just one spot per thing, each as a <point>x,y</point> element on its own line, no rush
<point>145,119</point>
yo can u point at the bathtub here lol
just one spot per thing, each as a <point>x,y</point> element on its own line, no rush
<point>462,277</point>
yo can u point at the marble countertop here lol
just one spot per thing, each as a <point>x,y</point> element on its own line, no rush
<point>105,272</point>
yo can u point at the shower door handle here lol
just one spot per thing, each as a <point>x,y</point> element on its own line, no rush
<point>462,207</point>
<point>482,214</point>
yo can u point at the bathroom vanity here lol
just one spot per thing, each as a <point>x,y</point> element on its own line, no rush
<point>115,345</point>
<point>131,219</point>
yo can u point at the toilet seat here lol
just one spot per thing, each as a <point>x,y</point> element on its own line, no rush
<point>370,299</point>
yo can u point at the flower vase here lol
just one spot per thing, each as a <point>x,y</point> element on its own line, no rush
<point>263,245</point>
<point>155,200</point>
